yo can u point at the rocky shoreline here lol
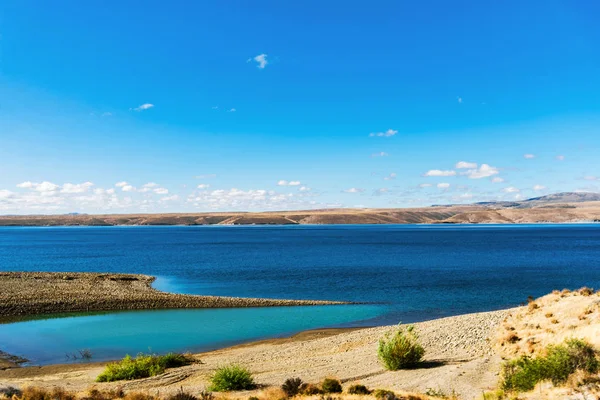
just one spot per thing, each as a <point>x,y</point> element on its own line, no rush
<point>36,293</point>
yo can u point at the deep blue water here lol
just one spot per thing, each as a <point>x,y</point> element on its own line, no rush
<point>415,272</point>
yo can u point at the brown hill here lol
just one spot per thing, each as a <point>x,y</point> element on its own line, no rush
<point>557,208</point>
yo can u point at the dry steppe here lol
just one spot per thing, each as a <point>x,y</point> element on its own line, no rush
<point>559,208</point>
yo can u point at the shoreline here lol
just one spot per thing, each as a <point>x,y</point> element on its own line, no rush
<point>25,294</point>
<point>458,348</point>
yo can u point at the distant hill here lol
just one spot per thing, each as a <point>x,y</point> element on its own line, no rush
<point>555,208</point>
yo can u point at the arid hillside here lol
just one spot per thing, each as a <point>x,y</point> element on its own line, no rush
<point>558,208</point>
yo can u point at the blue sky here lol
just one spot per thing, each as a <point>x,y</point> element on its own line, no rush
<point>161,106</point>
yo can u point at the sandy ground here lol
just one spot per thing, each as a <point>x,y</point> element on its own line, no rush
<point>459,358</point>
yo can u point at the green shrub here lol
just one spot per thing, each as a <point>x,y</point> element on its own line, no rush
<point>331,386</point>
<point>358,389</point>
<point>141,366</point>
<point>291,386</point>
<point>574,355</point>
<point>401,350</point>
<point>522,374</point>
<point>231,377</point>
<point>308,389</point>
<point>382,394</point>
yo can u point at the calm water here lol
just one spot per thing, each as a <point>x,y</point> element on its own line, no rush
<point>411,272</point>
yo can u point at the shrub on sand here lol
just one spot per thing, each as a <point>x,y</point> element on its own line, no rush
<point>308,389</point>
<point>291,386</point>
<point>142,366</point>
<point>401,350</point>
<point>330,385</point>
<point>231,377</point>
<point>560,362</point>
<point>359,389</point>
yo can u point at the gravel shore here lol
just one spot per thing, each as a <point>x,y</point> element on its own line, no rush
<point>35,293</point>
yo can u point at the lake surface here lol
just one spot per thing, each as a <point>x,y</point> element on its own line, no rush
<point>410,272</point>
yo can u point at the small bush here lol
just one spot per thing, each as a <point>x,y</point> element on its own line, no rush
<point>359,389</point>
<point>309,389</point>
<point>141,366</point>
<point>400,350</point>
<point>586,291</point>
<point>291,386</point>
<point>231,377</point>
<point>331,386</point>
<point>9,392</point>
<point>181,395</point>
<point>382,394</point>
<point>522,374</point>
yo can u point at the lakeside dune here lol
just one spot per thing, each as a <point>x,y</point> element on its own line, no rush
<point>463,354</point>
<point>35,293</point>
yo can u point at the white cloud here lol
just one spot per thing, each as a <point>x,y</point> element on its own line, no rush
<point>283,182</point>
<point>497,179</point>
<point>459,100</point>
<point>380,154</point>
<point>388,133</point>
<point>128,188</point>
<point>390,177</point>
<point>5,194</point>
<point>587,178</point>
<point>148,187</point>
<point>40,187</point>
<point>529,156</point>
<point>380,191</point>
<point>76,188</point>
<point>510,189</point>
<point>304,189</point>
<point>145,106</point>
<point>483,171</point>
<point>354,190</point>
<point>161,191</point>
<point>110,191</point>
<point>437,172</point>
<point>539,187</point>
<point>232,110</point>
<point>261,60</point>
<point>106,114</point>
<point>443,185</point>
<point>425,185</point>
<point>170,198</point>
<point>121,184</point>
<point>560,158</point>
<point>203,186</point>
<point>466,196</point>
<point>465,164</point>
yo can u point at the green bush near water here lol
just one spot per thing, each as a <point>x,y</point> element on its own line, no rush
<point>401,350</point>
<point>142,366</point>
<point>523,373</point>
<point>231,377</point>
